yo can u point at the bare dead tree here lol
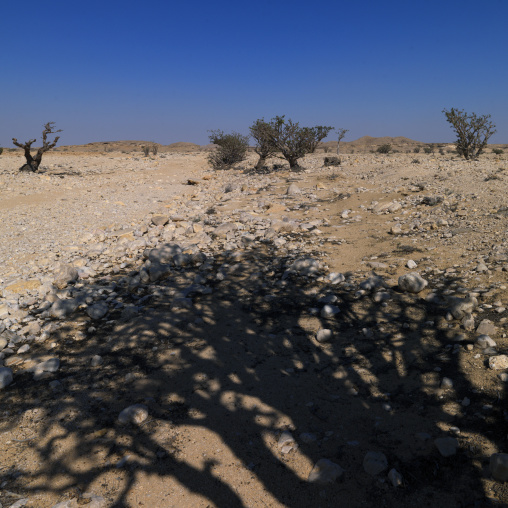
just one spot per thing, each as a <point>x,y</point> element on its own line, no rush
<point>33,163</point>
<point>341,133</point>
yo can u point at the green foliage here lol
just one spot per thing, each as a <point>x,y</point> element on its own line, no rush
<point>428,149</point>
<point>497,151</point>
<point>384,148</point>
<point>472,132</point>
<point>232,148</point>
<point>416,149</point>
<point>146,150</point>
<point>293,141</point>
<point>261,131</point>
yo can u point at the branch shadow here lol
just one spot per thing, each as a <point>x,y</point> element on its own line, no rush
<point>223,355</point>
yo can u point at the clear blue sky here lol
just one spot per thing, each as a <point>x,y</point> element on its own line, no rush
<point>168,71</point>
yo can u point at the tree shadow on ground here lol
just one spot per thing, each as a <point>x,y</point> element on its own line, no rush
<point>223,373</point>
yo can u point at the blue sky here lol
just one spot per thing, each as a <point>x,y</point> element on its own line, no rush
<point>170,71</point>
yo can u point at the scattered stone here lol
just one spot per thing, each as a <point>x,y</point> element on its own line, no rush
<point>375,463</point>
<point>293,190</point>
<point>98,310</point>
<point>324,335</point>
<point>395,477</point>
<point>447,446</point>
<point>97,360</point>
<point>460,307</point>
<point>335,278</point>
<point>329,311</point>
<point>484,341</point>
<point>63,308</point>
<point>499,362</point>
<point>160,220</point>
<point>486,327</point>
<point>6,377</point>
<point>411,264</point>
<point>136,414</point>
<point>286,442</point>
<point>325,471</point>
<point>412,282</point>
<point>499,466</point>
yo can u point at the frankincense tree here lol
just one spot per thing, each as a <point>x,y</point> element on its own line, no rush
<point>33,162</point>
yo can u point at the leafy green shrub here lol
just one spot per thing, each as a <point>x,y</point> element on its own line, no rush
<point>416,149</point>
<point>384,148</point>
<point>261,132</point>
<point>232,148</point>
<point>497,151</point>
<point>293,141</point>
<point>472,131</point>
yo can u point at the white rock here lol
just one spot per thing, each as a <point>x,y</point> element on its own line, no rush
<point>335,278</point>
<point>329,311</point>
<point>137,413</point>
<point>293,190</point>
<point>50,365</point>
<point>412,282</point>
<point>325,471</point>
<point>411,264</point>
<point>499,362</point>
<point>324,335</point>
<point>485,341</point>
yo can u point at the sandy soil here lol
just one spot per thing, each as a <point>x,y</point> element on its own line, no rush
<point>224,376</point>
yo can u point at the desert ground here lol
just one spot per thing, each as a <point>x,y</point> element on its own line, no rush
<point>174,336</point>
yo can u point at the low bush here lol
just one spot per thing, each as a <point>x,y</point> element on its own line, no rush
<point>231,149</point>
<point>384,148</point>
<point>332,161</point>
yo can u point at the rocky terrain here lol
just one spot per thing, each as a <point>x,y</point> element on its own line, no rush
<point>173,336</point>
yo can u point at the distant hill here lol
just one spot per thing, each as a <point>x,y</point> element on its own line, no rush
<point>128,146</point>
<point>368,143</point>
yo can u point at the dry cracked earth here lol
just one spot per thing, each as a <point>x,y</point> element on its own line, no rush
<point>172,336</point>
